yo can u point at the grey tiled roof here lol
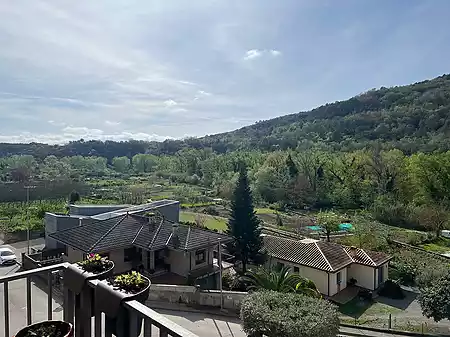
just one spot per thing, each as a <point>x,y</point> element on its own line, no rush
<point>321,255</point>
<point>186,238</point>
<point>128,230</point>
<point>101,235</point>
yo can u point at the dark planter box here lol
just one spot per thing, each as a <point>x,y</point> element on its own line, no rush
<point>109,299</point>
<point>75,279</point>
<point>64,327</point>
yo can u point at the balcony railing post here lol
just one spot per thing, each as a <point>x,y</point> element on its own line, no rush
<point>69,305</point>
<point>29,318</point>
<point>6,305</point>
<point>147,327</point>
<point>49,295</point>
<point>86,313</point>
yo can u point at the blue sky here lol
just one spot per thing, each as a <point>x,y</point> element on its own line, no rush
<point>121,69</point>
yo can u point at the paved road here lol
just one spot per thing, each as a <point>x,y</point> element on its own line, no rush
<point>17,296</point>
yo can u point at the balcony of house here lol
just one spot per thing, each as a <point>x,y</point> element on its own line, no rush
<point>37,295</point>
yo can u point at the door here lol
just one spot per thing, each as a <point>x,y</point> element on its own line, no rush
<point>338,281</point>
<point>380,275</point>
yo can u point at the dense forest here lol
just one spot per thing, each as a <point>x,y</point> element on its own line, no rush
<point>410,118</point>
<point>397,188</point>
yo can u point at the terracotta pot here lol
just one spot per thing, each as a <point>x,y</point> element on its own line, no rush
<point>64,327</point>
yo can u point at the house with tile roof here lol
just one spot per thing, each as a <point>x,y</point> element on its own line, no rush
<point>329,265</point>
<point>168,252</point>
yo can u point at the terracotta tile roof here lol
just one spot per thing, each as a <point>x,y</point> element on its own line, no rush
<point>321,255</point>
<point>133,230</point>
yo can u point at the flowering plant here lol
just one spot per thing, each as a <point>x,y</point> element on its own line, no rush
<point>95,263</point>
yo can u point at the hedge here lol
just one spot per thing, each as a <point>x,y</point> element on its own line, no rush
<point>275,314</point>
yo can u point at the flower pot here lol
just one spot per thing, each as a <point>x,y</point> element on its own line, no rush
<point>108,299</point>
<point>64,329</point>
<point>75,277</point>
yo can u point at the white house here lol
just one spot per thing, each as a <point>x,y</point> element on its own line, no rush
<point>329,265</point>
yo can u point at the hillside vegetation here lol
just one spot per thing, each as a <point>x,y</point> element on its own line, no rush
<point>411,118</point>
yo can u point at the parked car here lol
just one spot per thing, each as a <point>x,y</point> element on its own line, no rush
<point>7,256</point>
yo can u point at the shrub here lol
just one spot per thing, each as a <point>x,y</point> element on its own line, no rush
<point>211,211</point>
<point>391,289</point>
<point>276,314</point>
<point>435,299</point>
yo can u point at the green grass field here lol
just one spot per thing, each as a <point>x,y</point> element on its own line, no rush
<point>212,222</point>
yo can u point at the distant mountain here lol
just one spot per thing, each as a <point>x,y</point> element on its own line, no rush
<point>412,118</point>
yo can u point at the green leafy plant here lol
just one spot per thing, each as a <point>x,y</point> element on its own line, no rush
<point>95,264</point>
<point>132,282</point>
<point>274,314</point>
<point>279,280</point>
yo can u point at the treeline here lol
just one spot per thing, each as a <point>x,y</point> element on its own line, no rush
<point>412,118</point>
<point>394,186</point>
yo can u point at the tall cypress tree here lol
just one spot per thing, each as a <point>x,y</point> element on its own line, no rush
<point>243,224</point>
<point>293,170</point>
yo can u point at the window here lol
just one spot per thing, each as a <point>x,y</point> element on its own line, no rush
<point>129,254</point>
<point>338,278</point>
<point>200,257</point>
<point>296,270</point>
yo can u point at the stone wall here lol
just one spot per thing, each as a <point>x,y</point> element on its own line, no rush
<point>193,296</point>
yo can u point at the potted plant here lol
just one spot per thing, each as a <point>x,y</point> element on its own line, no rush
<point>110,293</point>
<point>47,329</point>
<point>94,267</point>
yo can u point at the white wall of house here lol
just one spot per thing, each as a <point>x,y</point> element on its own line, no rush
<point>334,286</point>
<point>319,277</point>
<point>364,275</point>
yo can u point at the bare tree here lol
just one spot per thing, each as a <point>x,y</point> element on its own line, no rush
<point>434,218</point>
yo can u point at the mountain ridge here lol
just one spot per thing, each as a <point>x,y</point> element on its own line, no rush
<point>414,117</point>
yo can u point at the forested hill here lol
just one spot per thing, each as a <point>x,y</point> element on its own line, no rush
<point>412,118</point>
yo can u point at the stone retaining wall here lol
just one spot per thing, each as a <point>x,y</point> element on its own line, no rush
<point>193,296</point>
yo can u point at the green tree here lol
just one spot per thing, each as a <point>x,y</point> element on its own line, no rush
<point>435,218</point>
<point>281,280</point>
<point>243,224</point>
<point>121,164</point>
<point>74,197</point>
<point>435,299</point>
<point>292,168</point>
<point>329,221</point>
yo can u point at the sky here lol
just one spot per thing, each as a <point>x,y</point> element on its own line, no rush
<point>157,69</point>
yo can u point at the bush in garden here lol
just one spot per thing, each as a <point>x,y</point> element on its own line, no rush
<point>434,300</point>
<point>391,289</point>
<point>276,314</point>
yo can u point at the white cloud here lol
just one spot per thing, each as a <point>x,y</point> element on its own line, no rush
<point>112,123</point>
<point>252,54</point>
<point>275,52</point>
<point>257,53</point>
<point>76,133</point>
<point>170,102</point>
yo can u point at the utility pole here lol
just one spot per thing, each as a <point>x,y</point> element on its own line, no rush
<point>219,259</point>
<point>28,217</point>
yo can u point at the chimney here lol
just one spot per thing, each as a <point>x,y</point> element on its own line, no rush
<point>353,251</point>
<point>175,238</point>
